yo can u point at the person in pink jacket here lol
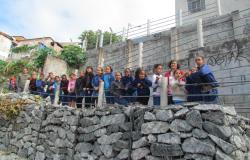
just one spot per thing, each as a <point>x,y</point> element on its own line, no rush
<point>71,90</point>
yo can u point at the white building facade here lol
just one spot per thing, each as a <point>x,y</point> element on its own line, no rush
<point>188,11</point>
<point>5,45</point>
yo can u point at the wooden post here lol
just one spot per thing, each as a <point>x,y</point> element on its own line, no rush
<point>200,33</point>
<point>180,18</point>
<point>26,86</point>
<point>140,54</point>
<point>100,94</point>
<point>164,91</point>
<point>57,93</point>
<point>219,7</point>
<point>148,27</point>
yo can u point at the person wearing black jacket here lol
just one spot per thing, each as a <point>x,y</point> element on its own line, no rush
<point>87,86</point>
<point>64,90</point>
<point>79,90</point>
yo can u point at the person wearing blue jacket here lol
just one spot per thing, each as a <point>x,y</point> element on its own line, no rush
<point>142,84</point>
<point>40,85</point>
<point>108,78</point>
<point>202,82</point>
<point>95,84</point>
<point>127,80</point>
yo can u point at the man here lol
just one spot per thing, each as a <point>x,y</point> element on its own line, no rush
<point>79,90</point>
<point>202,83</point>
<point>21,80</point>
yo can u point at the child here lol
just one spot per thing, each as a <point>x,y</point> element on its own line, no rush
<point>127,80</point>
<point>118,90</point>
<point>87,86</point>
<point>40,84</point>
<point>13,84</point>
<point>142,84</point>
<point>95,83</point>
<point>54,87</point>
<point>64,90</point>
<point>156,83</point>
<point>108,78</point>
<point>177,85</point>
<point>32,85</point>
<point>71,90</point>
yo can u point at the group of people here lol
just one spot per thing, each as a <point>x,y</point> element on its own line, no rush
<point>197,84</point>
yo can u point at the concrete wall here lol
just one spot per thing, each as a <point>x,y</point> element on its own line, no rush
<point>55,65</point>
<point>5,45</point>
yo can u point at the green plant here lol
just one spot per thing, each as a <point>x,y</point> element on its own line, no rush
<point>40,56</point>
<point>22,49</point>
<point>73,55</point>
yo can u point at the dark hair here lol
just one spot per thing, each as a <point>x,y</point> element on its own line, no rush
<point>111,69</point>
<point>89,67</point>
<point>138,71</point>
<point>156,66</point>
<point>118,72</point>
<point>169,64</point>
<point>202,57</point>
<point>127,69</point>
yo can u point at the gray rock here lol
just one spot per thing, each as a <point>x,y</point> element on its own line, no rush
<point>40,156</point>
<point>174,108</point>
<point>237,155</point>
<point>100,132</point>
<point>165,150</point>
<point>222,132</point>
<point>149,116</point>
<point>89,121</point>
<point>151,138</point>
<point>97,150</point>
<point>86,137</point>
<point>229,110</point>
<point>169,138</point>
<point>193,145</point>
<point>140,143</point>
<point>164,115</point>
<point>179,125</point>
<point>225,146</point>
<point>222,156</point>
<point>181,112</point>
<point>139,153</point>
<point>112,119</point>
<point>239,142</point>
<point>120,144</point>
<point>84,147</point>
<point>123,154</point>
<point>60,143</point>
<point>153,158</point>
<point>194,119</point>
<point>89,129</point>
<point>208,107</point>
<point>61,133</point>
<point>154,127</point>
<point>197,157</point>
<point>70,120</point>
<point>185,135</point>
<point>200,134</point>
<point>107,150</point>
<point>217,117</point>
<point>105,139</point>
<point>40,148</point>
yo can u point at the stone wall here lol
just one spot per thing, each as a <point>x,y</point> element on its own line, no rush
<point>55,65</point>
<point>191,131</point>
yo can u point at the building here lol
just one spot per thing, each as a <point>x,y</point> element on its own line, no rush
<point>189,11</point>
<point>6,43</point>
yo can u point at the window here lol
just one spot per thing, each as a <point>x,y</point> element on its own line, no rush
<point>196,5</point>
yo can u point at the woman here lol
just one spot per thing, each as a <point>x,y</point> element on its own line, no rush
<point>87,86</point>
<point>173,66</point>
<point>71,90</point>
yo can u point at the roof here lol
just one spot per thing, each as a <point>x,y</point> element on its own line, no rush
<point>41,39</point>
<point>6,35</point>
<point>18,38</point>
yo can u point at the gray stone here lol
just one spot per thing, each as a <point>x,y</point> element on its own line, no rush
<point>89,129</point>
<point>123,154</point>
<point>237,155</point>
<point>100,132</point>
<point>225,146</point>
<point>172,107</point>
<point>222,132</point>
<point>193,145</point>
<point>112,119</point>
<point>60,143</point>
<point>154,127</point>
<point>120,144</point>
<point>197,157</point>
<point>179,125</point>
<point>83,147</point>
<point>200,134</point>
<point>165,150</point>
<point>169,138</point>
<point>185,135</point>
<point>181,112</point>
<point>215,117</point>
<point>140,143</point>
<point>107,150</point>
<point>153,158</point>
<point>194,119</point>
<point>151,138</point>
<point>208,107</point>
<point>229,110</point>
<point>61,133</point>
<point>164,115</point>
<point>86,137</point>
<point>40,156</point>
<point>149,116</point>
<point>89,121</point>
<point>40,148</point>
<point>222,156</point>
<point>139,153</point>
<point>70,120</point>
<point>239,142</point>
<point>97,150</point>
<point>105,139</point>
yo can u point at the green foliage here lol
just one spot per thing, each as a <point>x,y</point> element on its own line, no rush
<point>2,65</point>
<point>22,49</point>
<point>40,56</point>
<point>16,67</point>
<point>92,37</point>
<point>73,55</point>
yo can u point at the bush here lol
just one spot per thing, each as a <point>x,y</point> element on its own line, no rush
<point>22,49</point>
<point>73,55</point>
<point>40,56</point>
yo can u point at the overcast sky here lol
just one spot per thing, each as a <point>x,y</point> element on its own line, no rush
<point>66,19</point>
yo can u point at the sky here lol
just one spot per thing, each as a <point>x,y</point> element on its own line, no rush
<point>65,20</point>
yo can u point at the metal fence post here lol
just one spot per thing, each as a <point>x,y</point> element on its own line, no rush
<point>26,86</point>
<point>200,33</point>
<point>219,7</point>
<point>100,94</point>
<point>164,91</point>
<point>101,39</point>
<point>180,18</point>
<point>140,53</point>
<point>57,93</point>
<point>123,34</point>
<point>148,27</point>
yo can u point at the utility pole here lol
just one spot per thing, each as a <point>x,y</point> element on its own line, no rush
<point>111,34</point>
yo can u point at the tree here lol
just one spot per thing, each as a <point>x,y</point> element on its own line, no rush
<point>92,37</point>
<point>73,55</point>
<point>40,56</point>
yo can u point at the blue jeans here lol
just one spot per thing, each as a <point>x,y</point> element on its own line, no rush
<point>178,101</point>
<point>79,98</point>
<point>156,100</point>
<point>109,98</point>
<point>121,101</point>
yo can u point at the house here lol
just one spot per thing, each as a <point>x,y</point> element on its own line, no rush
<point>188,11</point>
<point>6,43</point>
